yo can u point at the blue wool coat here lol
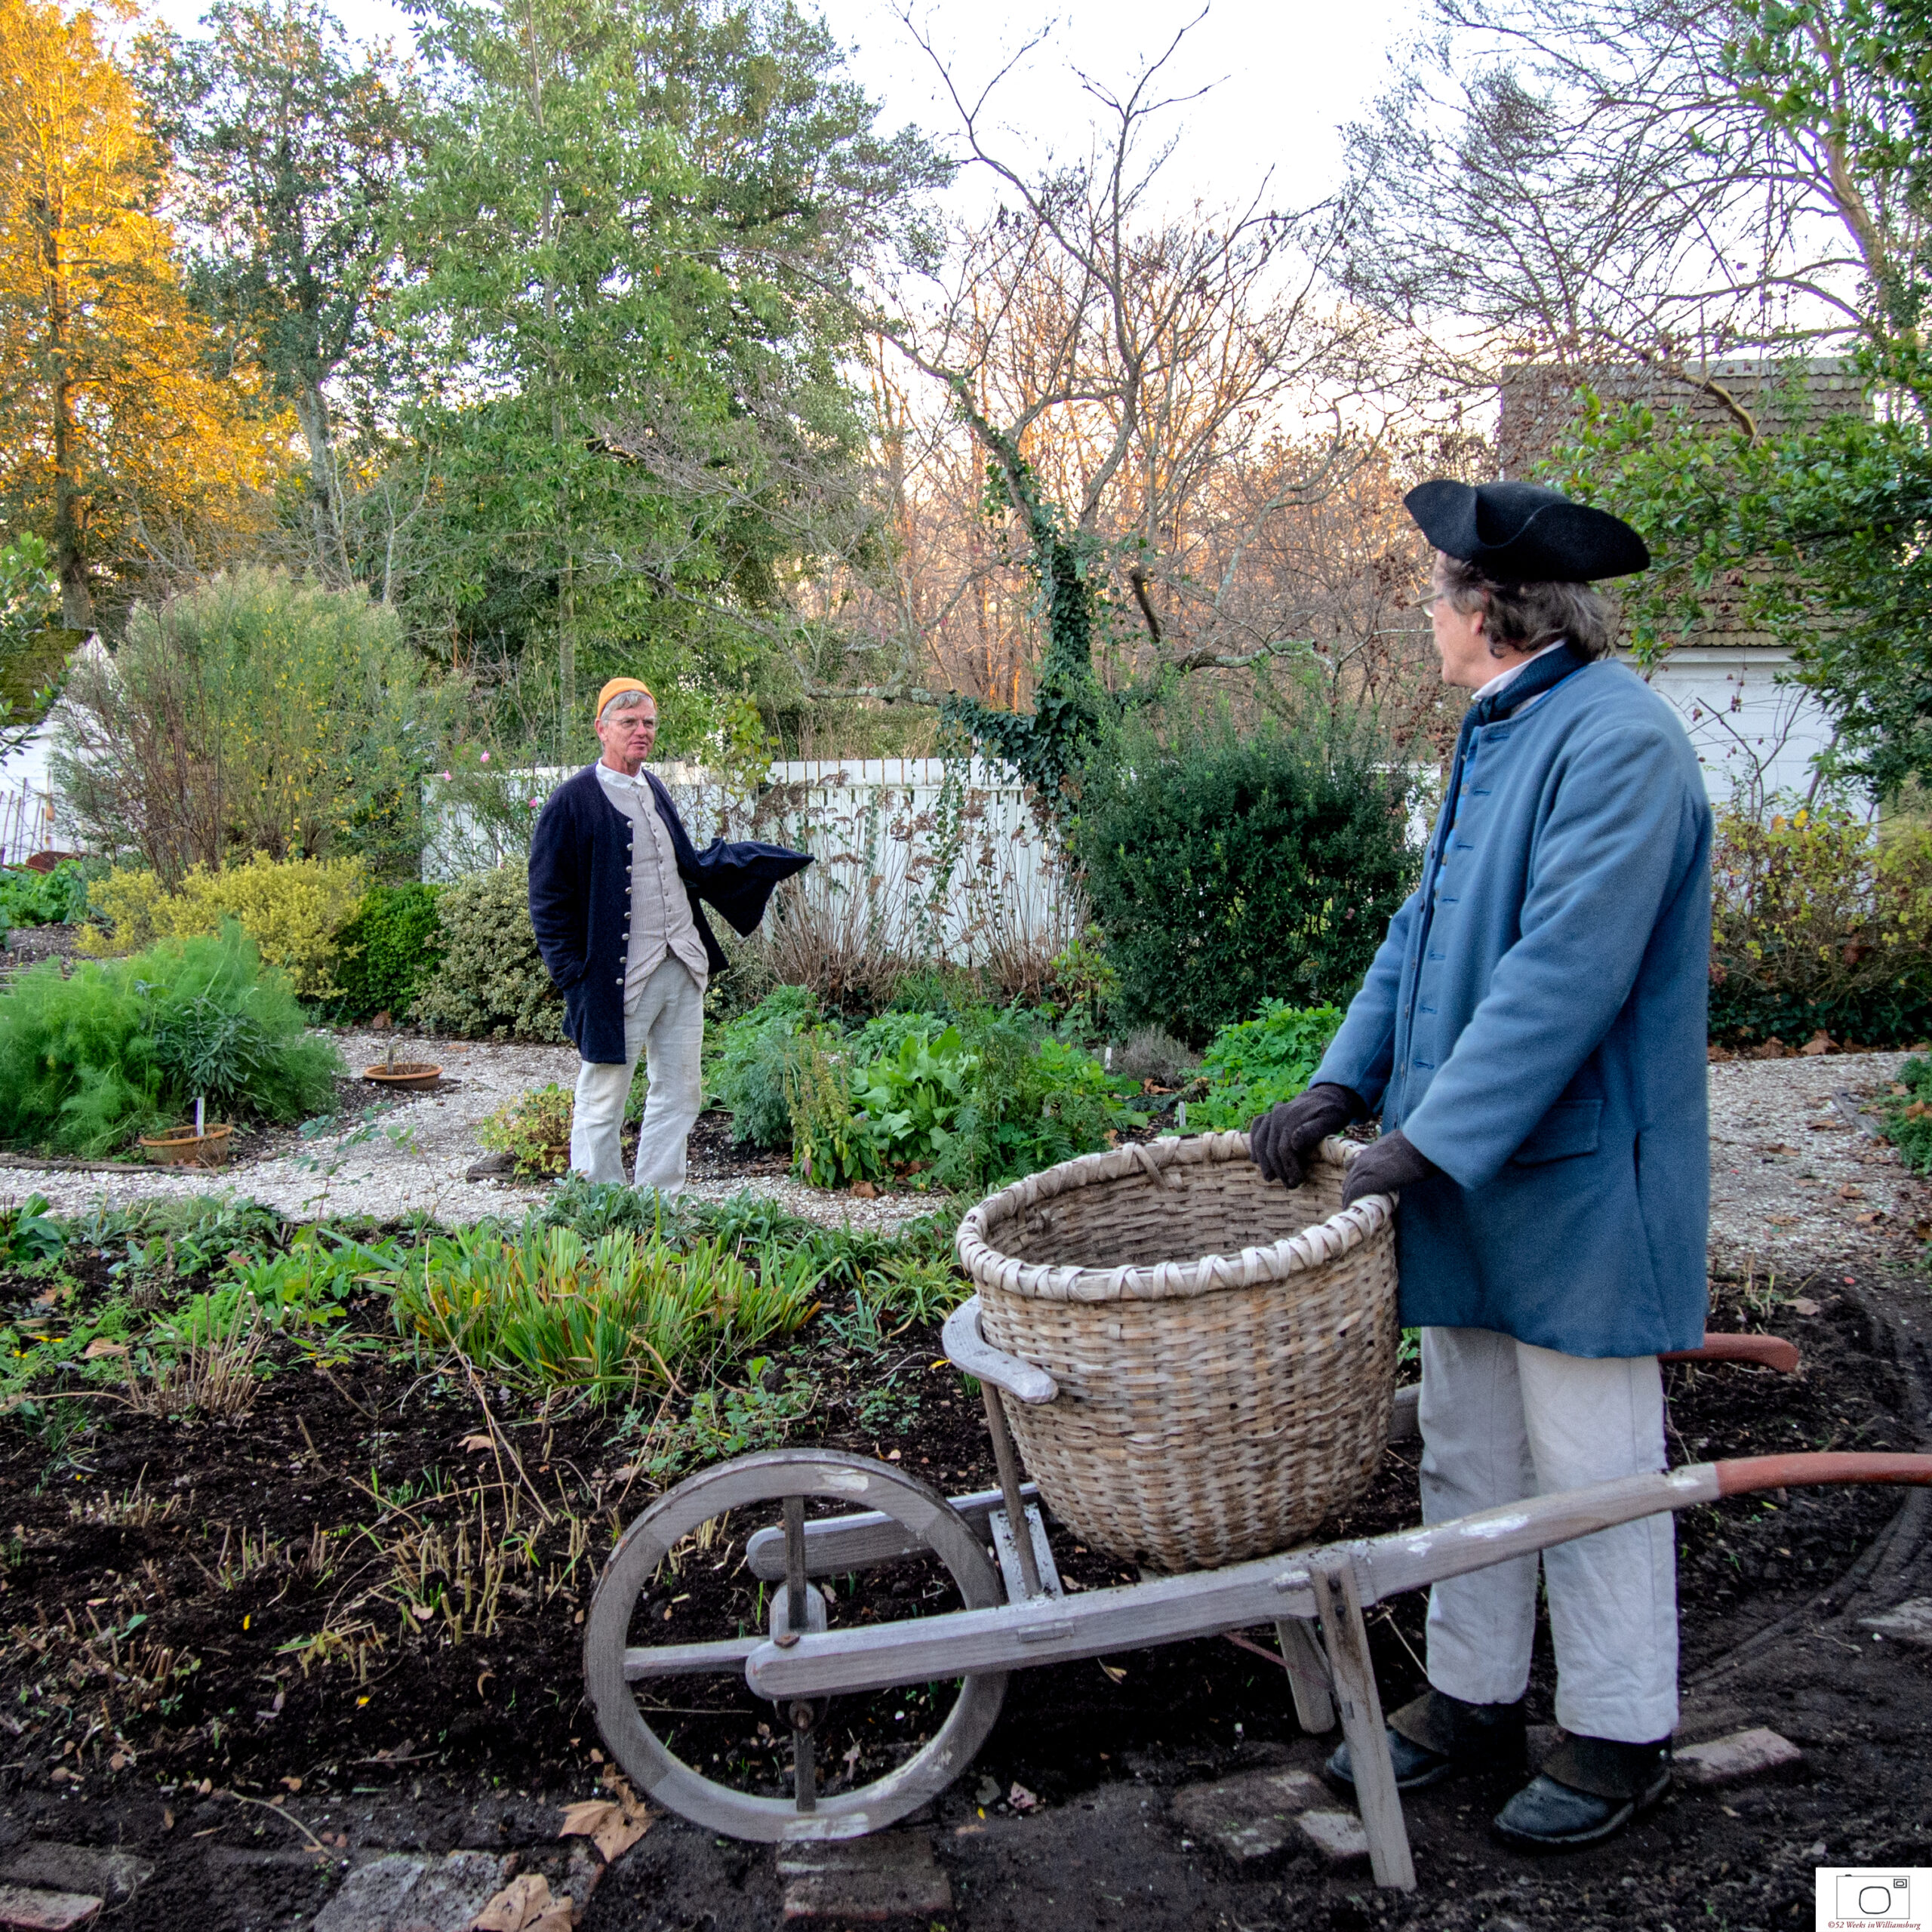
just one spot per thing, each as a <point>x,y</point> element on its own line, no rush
<point>1535,1023</point>
<point>579,883</point>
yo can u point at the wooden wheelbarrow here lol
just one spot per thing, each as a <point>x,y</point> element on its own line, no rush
<point>1002,1607</point>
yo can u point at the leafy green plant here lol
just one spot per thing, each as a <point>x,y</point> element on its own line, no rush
<point>88,1063</point>
<point>1252,1064</point>
<point>491,983</point>
<point>833,1141</point>
<point>29,1233</point>
<point>536,1127</point>
<point>747,1074</point>
<point>1033,1100</point>
<point>56,898</point>
<point>552,1312</point>
<point>912,1094</point>
<point>1225,870</point>
<point>1907,1111</point>
<point>389,948</point>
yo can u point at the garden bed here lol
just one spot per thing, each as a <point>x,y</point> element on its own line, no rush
<point>299,1608</point>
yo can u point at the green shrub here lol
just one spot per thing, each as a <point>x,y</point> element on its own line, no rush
<point>1250,1065</point>
<point>123,1048</point>
<point>255,712</point>
<point>536,1127</point>
<point>747,1072</point>
<point>628,1312</point>
<point>388,949</point>
<point>491,983</point>
<point>1820,920</point>
<point>293,909</point>
<point>56,898</point>
<point>1223,872</point>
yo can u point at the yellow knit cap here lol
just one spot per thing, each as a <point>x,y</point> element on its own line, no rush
<point>615,688</point>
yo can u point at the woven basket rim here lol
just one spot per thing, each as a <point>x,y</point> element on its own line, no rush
<point>1314,1246</point>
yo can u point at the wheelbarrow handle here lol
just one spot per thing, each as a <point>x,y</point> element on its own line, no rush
<point>1742,1474</point>
<point>1765,1351</point>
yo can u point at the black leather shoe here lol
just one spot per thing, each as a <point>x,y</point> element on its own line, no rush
<point>1437,1735</point>
<point>1588,1790</point>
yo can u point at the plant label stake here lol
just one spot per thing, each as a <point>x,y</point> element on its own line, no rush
<point>200,1104</point>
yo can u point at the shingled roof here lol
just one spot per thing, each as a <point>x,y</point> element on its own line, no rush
<point>1539,401</point>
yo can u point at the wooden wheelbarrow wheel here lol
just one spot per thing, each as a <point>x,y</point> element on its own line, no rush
<point>762,1485</point>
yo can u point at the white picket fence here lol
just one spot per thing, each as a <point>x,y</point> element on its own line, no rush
<point>917,859</point>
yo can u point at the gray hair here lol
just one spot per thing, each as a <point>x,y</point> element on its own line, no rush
<point>624,701</point>
<point>1527,616</point>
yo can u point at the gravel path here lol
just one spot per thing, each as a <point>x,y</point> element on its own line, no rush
<point>1793,1185</point>
<point>412,1158</point>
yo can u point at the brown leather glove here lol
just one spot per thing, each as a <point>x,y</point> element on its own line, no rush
<point>1280,1142</point>
<point>1386,1167</point>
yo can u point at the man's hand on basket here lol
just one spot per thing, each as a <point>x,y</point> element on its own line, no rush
<point>1385,1166</point>
<point>1280,1142</point>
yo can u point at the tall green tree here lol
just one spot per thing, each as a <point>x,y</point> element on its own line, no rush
<point>640,234</point>
<point>1824,529</point>
<point>290,146</point>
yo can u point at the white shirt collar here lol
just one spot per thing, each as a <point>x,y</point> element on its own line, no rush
<point>1504,678</point>
<point>611,776</point>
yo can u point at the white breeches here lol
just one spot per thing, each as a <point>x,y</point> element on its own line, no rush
<point>666,1025</point>
<point>1502,1420</point>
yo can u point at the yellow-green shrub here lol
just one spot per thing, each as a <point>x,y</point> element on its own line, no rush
<point>292,909</point>
<point>1820,919</point>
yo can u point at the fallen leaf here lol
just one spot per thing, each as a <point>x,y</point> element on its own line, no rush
<point>864,1190</point>
<point>293,1784</point>
<point>612,1826</point>
<point>1820,1042</point>
<point>1784,1220</point>
<point>100,1346</point>
<point>1802,1305</point>
<point>1848,1192</point>
<point>1021,1799</point>
<point>1866,1220</point>
<point>524,1905</point>
<point>471,1443</point>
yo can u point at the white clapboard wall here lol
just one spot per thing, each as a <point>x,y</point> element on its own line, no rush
<point>916,857</point>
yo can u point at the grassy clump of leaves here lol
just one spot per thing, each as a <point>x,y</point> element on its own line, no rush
<point>125,1047</point>
<point>1907,1112</point>
<point>552,1310</point>
<point>1252,1065</point>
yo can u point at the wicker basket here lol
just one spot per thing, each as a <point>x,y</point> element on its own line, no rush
<point>1210,1408</point>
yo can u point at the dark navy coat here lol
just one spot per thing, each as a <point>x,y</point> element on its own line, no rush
<point>579,876</point>
<point>1535,1023</point>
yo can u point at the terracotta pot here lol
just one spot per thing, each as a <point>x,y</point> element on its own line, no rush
<point>407,1076</point>
<point>183,1147</point>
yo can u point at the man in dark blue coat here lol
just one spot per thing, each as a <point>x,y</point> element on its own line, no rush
<point>1533,1033</point>
<point>616,889</point>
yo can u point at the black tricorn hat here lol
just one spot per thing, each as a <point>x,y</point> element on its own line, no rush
<point>1521,533</point>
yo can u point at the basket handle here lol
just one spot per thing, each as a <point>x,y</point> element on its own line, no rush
<point>1156,1169</point>
<point>972,1354</point>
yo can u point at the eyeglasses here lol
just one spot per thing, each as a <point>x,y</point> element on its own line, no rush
<point>1430,602</point>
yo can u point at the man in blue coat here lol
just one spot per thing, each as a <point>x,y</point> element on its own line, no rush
<point>1533,1033</point>
<point>615,892</point>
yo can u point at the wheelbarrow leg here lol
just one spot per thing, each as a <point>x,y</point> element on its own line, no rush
<point>1307,1674</point>
<point>1380,1804</point>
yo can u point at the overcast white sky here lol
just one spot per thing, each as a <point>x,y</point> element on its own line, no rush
<point>1289,71</point>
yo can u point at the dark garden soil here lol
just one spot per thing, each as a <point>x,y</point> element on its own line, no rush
<point>350,1619</point>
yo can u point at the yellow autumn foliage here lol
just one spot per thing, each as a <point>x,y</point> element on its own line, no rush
<point>117,423</point>
<point>291,909</point>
